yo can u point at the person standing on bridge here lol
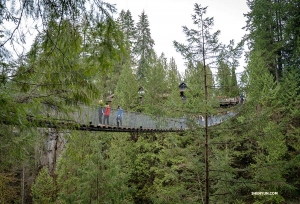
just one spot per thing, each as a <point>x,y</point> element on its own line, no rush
<point>119,116</point>
<point>106,113</point>
<point>101,112</point>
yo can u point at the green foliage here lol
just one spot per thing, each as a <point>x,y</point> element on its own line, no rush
<point>127,26</point>
<point>155,86</point>
<point>234,85</point>
<point>59,72</point>
<point>274,32</point>
<point>83,55</point>
<point>144,46</point>
<point>166,169</point>
<point>9,191</point>
<point>201,53</point>
<point>179,176</point>
<point>262,88</point>
<point>91,170</point>
<point>201,42</point>
<point>174,77</point>
<point>224,79</point>
<point>126,92</point>
<point>227,64</point>
<point>43,190</point>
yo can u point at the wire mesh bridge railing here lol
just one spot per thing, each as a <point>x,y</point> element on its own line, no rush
<point>88,118</point>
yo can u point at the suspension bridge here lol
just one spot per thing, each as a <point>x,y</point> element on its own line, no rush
<point>87,118</point>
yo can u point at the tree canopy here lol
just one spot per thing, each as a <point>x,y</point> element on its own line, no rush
<point>81,54</point>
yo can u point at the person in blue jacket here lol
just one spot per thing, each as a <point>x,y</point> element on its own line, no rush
<point>119,116</point>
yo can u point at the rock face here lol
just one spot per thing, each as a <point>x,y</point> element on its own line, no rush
<point>54,146</point>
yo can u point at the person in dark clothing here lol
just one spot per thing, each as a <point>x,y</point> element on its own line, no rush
<point>242,99</point>
<point>100,112</point>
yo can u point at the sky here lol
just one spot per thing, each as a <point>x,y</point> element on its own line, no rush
<point>166,18</point>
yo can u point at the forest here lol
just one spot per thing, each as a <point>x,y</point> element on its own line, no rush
<point>81,53</point>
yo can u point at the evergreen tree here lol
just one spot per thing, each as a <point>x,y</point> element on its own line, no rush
<point>229,57</point>
<point>273,33</point>
<point>57,73</point>
<point>195,92</point>
<point>178,174</point>
<point>43,190</point>
<point>201,51</point>
<point>49,11</point>
<point>201,43</point>
<point>121,20</point>
<point>287,104</point>
<point>144,46</point>
<point>174,77</point>
<point>267,32</point>
<point>129,30</point>
<point>224,79</point>
<point>156,87</point>
<point>256,151</point>
<point>8,183</point>
<point>251,144</point>
<point>201,54</point>
<point>173,102</point>
<point>227,81</point>
<point>93,169</point>
<point>234,92</point>
<point>126,92</point>
<point>290,17</point>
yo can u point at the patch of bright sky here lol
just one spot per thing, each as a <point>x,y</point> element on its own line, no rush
<point>166,18</point>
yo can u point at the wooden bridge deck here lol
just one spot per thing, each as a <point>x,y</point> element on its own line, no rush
<point>124,129</point>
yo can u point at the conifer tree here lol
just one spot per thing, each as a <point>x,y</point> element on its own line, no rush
<point>201,51</point>
<point>92,169</point>
<point>287,104</point>
<point>194,77</point>
<point>229,59</point>
<point>174,77</point>
<point>255,143</point>
<point>144,46</point>
<point>290,17</point>
<point>57,72</point>
<point>126,92</point>
<point>156,86</point>
<point>173,101</point>
<point>178,173</point>
<point>234,92</point>
<point>202,44</point>
<point>8,182</point>
<point>121,19</point>
<point>129,30</point>
<point>267,32</point>
<point>128,27</point>
<point>44,190</point>
<point>224,79</point>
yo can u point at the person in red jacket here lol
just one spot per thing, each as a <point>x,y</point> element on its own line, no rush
<point>106,114</point>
